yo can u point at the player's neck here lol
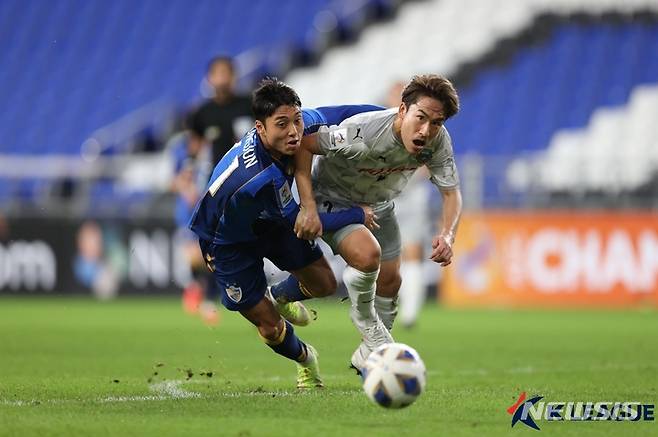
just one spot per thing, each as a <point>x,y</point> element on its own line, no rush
<point>274,154</point>
<point>397,129</point>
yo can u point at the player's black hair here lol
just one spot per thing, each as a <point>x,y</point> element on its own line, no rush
<point>270,94</point>
<point>434,86</point>
<point>227,60</point>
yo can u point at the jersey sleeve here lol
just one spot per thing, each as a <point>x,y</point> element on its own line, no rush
<point>333,221</point>
<point>442,167</point>
<point>345,140</point>
<point>332,115</point>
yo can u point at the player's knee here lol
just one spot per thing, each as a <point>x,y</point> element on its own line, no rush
<point>271,332</point>
<point>367,259</point>
<point>361,250</point>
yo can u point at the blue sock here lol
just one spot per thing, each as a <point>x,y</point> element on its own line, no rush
<point>288,344</point>
<point>290,290</point>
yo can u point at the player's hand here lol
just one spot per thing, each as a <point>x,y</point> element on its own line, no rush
<point>307,224</point>
<point>441,250</point>
<point>371,218</point>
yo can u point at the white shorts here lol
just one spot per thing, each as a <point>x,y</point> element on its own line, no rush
<point>388,235</point>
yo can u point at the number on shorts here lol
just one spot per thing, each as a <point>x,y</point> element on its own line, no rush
<point>328,205</point>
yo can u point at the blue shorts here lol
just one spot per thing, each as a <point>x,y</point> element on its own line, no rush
<point>238,268</point>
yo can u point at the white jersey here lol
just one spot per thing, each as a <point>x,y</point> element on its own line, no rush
<point>364,162</point>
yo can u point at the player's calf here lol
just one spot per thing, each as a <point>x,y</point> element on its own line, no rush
<point>281,339</point>
<point>387,310</point>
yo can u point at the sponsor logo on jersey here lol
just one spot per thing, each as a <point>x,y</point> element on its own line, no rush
<point>285,195</point>
<point>339,137</point>
<point>386,171</point>
<point>424,155</point>
<point>234,293</point>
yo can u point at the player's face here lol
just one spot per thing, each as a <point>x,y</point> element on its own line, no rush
<point>220,77</point>
<point>282,131</point>
<point>420,123</point>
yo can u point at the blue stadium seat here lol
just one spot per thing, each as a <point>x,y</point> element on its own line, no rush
<point>555,85</point>
<point>96,61</point>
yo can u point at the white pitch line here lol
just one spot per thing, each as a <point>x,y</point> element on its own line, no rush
<point>16,403</point>
<point>132,398</point>
<point>171,390</point>
<point>164,391</point>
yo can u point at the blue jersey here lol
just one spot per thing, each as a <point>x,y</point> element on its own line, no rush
<point>249,193</point>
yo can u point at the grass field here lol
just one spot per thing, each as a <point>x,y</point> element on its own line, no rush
<point>142,367</point>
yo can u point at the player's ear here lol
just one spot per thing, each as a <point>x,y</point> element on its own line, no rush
<point>402,110</point>
<point>260,127</point>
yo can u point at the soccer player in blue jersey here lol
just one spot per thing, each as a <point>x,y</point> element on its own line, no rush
<point>247,214</point>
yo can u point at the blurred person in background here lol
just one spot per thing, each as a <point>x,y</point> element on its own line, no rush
<point>92,266</point>
<point>368,159</point>
<point>192,166</point>
<point>218,122</point>
<point>412,212</point>
<point>226,115</point>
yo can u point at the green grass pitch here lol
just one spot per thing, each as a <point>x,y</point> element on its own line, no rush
<point>136,367</point>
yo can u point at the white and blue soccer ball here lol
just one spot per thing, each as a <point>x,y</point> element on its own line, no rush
<point>394,375</point>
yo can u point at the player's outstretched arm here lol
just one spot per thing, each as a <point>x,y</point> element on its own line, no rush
<point>307,225</point>
<point>442,242</point>
<point>331,221</point>
<point>332,115</point>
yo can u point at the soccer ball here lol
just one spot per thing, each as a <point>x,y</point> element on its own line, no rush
<point>394,375</point>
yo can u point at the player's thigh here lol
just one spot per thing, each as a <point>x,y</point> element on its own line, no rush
<point>238,274</point>
<point>358,247</point>
<point>288,252</point>
<point>304,259</point>
<point>318,278</point>
<point>354,243</point>
<point>388,234</point>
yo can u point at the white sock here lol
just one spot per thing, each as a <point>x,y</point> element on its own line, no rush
<point>361,289</point>
<point>387,309</point>
<point>412,291</point>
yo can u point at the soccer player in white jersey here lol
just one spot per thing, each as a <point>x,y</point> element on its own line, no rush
<point>368,159</point>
